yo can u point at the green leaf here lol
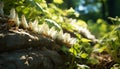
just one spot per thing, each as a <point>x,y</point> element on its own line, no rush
<point>73,51</point>
<point>84,55</point>
<point>53,23</point>
<point>36,4</point>
<point>58,1</point>
<point>39,7</point>
<point>85,40</point>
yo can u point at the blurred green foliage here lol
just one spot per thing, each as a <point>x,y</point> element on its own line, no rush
<point>112,41</point>
<point>100,27</point>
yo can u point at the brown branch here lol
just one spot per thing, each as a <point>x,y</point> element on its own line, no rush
<point>13,40</point>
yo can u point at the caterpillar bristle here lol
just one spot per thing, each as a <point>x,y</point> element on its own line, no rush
<point>53,33</point>
<point>60,35</point>
<point>66,37</point>
<point>35,22</point>
<point>51,30</point>
<point>72,41</point>
<point>33,27</point>
<point>12,13</point>
<point>45,29</point>
<point>36,29</point>
<point>24,22</point>
<point>42,30</point>
<point>30,25</point>
<point>16,20</point>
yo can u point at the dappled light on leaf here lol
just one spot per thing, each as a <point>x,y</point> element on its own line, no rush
<point>58,1</point>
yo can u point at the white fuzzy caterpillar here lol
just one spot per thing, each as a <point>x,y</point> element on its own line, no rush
<point>42,29</point>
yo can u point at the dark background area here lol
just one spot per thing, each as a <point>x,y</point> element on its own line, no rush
<point>93,9</point>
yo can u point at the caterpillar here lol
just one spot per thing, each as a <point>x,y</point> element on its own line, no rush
<point>40,29</point>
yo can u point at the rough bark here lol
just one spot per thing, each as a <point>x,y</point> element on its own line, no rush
<point>25,50</point>
<point>30,59</point>
<point>13,40</point>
